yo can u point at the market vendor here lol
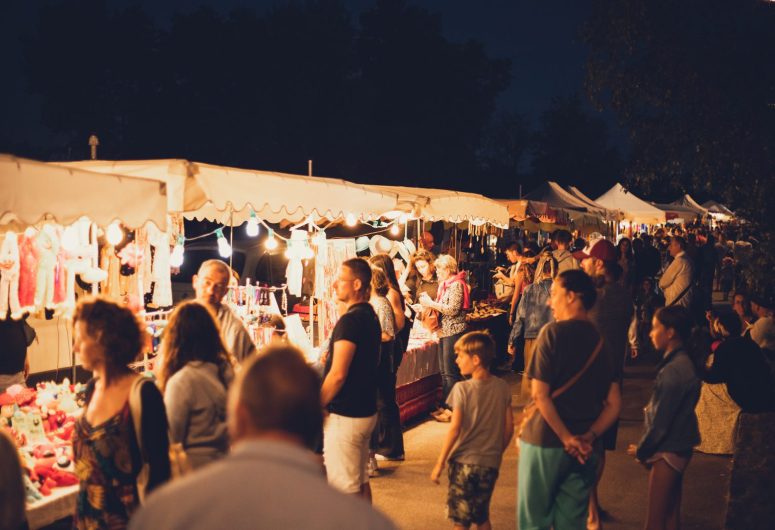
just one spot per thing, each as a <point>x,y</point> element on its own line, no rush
<point>15,337</point>
<point>507,276</point>
<point>210,285</point>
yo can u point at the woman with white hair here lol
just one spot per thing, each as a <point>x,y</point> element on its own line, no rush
<point>452,300</point>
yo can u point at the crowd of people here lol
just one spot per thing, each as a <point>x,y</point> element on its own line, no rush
<point>259,434</point>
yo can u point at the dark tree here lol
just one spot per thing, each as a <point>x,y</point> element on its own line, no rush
<point>572,147</point>
<point>505,147</point>
<point>692,82</point>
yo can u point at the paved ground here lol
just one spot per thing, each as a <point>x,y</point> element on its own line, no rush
<point>405,493</point>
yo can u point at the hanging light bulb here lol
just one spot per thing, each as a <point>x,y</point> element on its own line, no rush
<point>394,229</point>
<point>350,219</point>
<point>176,258</point>
<point>114,234</point>
<point>271,242</point>
<point>252,228</point>
<point>224,249</point>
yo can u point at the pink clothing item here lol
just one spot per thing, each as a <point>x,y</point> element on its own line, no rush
<point>459,277</point>
<point>28,268</point>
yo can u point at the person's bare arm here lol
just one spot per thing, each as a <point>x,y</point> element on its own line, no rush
<point>343,353</point>
<point>508,428</point>
<point>395,302</point>
<point>449,442</point>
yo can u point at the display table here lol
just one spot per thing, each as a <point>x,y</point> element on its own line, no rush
<point>58,505</point>
<point>418,381</point>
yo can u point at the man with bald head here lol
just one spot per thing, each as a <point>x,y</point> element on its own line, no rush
<point>271,479</point>
<point>210,285</point>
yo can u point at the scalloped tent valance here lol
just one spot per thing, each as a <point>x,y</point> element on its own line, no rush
<point>225,194</point>
<point>33,191</point>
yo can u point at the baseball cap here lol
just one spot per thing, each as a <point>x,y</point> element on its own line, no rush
<point>601,249</point>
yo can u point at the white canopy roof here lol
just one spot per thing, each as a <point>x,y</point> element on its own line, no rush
<point>447,205</point>
<point>592,205</point>
<point>205,191</point>
<point>717,208</point>
<point>632,208</point>
<point>33,191</point>
<point>688,202</point>
<point>678,212</point>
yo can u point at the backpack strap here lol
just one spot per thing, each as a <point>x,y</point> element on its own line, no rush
<point>572,381</point>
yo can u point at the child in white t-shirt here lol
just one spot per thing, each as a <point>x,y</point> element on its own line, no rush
<point>480,430</point>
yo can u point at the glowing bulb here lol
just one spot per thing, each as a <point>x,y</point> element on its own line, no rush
<point>176,258</point>
<point>252,228</point>
<point>224,249</point>
<point>350,219</point>
<point>403,218</point>
<point>394,229</point>
<point>114,234</point>
<point>271,242</point>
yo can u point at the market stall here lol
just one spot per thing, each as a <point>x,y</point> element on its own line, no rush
<point>52,218</point>
<point>636,213</point>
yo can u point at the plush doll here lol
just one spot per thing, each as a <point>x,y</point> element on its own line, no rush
<point>9,277</point>
<point>47,245</point>
<point>81,259</point>
<point>28,268</point>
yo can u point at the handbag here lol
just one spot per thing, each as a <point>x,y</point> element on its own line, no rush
<point>429,318</point>
<point>531,408</point>
<point>179,464</point>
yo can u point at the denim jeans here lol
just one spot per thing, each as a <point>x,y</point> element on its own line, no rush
<point>450,373</point>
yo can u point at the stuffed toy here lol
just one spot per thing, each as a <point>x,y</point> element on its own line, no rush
<point>28,268</point>
<point>9,277</point>
<point>47,245</point>
<point>81,258</point>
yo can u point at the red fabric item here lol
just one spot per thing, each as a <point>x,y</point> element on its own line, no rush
<point>459,277</point>
<point>25,397</point>
<point>5,399</point>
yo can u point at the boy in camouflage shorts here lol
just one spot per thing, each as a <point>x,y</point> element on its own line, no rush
<point>479,432</point>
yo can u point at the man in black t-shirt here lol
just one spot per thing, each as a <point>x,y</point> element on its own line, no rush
<point>349,390</point>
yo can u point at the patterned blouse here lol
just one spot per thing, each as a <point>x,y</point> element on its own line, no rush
<point>384,312</point>
<point>453,317</point>
<point>103,463</point>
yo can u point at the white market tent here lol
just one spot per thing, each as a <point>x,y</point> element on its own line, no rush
<point>594,206</point>
<point>688,202</point>
<point>34,191</point>
<point>633,209</point>
<point>227,195</point>
<point>678,213</point>
<point>718,210</point>
<point>446,205</point>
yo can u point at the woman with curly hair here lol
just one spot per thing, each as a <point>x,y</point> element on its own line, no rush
<point>115,469</point>
<point>195,374</point>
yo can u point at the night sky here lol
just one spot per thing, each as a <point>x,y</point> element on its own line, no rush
<point>541,39</point>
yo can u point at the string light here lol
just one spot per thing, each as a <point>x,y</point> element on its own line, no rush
<point>114,234</point>
<point>350,219</point>
<point>224,249</point>
<point>176,258</point>
<point>271,242</point>
<point>394,229</point>
<point>252,228</point>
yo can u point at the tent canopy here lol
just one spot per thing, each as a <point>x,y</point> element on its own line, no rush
<point>522,209</point>
<point>717,208</point>
<point>33,191</point>
<point>555,196</point>
<point>633,209</point>
<point>592,205</point>
<point>227,195</point>
<point>447,205</point>
<point>688,202</point>
<point>678,212</point>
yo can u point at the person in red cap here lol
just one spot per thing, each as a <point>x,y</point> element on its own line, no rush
<point>612,314</point>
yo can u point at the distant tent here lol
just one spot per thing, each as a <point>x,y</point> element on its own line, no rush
<point>718,211</point>
<point>555,196</point>
<point>633,209</point>
<point>594,206</point>
<point>678,212</point>
<point>688,202</point>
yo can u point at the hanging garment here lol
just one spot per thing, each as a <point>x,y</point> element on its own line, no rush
<point>9,277</point>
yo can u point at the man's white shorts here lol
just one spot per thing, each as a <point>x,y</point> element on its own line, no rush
<point>346,451</point>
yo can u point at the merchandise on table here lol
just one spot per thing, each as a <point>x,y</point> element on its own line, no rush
<point>41,422</point>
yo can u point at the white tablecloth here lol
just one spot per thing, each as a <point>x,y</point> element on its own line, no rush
<point>58,505</point>
<point>420,360</point>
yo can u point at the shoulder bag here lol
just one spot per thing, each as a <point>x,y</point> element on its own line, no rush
<point>179,464</point>
<point>531,408</point>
